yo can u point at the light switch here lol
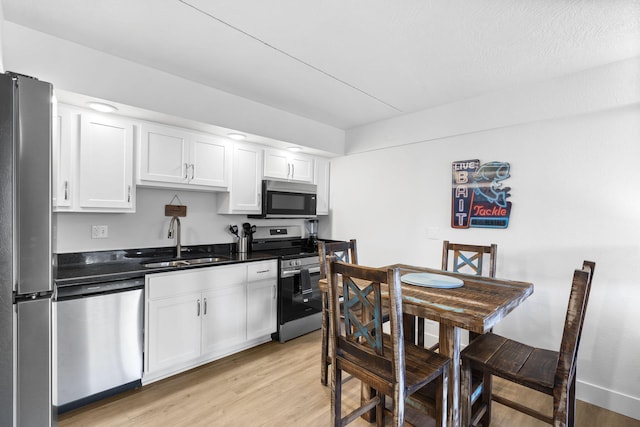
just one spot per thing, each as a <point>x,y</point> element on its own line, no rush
<point>99,231</point>
<point>433,233</point>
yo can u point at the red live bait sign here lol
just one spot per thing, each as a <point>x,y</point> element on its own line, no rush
<point>478,197</point>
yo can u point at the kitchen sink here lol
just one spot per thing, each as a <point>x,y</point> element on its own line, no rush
<point>184,262</point>
<point>205,260</point>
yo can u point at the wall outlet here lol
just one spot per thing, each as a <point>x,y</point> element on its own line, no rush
<point>99,231</point>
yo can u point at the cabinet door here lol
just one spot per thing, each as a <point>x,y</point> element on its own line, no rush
<point>163,154</point>
<point>284,165</point>
<point>173,332</point>
<point>62,160</point>
<point>247,179</point>
<point>276,164</point>
<point>106,162</point>
<point>223,320</point>
<point>301,169</point>
<point>322,183</point>
<point>262,280</point>
<point>261,308</point>
<point>209,161</point>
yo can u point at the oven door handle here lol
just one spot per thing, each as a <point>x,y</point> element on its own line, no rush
<point>291,273</point>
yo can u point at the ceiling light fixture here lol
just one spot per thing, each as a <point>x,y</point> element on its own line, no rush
<point>294,149</point>
<point>237,136</point>
<point>102,107</point>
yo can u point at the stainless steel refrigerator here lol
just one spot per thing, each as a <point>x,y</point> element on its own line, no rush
<point>25,252</point>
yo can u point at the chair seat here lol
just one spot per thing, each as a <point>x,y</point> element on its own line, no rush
<point>532,367</point>
<point>422,367</point>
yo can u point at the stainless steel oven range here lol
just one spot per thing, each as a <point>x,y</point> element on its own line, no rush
<point>299,298</point>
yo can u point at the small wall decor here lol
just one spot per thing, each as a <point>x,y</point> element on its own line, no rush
<point>478,197</point>
<point>175,210</point>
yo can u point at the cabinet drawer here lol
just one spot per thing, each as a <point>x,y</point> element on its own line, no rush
<point>163,285</point>
<point>262,270</point>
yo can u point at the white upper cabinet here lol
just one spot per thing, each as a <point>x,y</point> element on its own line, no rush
<point>93,162</point>
<point>321,180</point>
<point>244,195</point>
<point>62,158</point>
<point>284,165</point>
<point>172,157</point>
<point>106,162</point>
<point>210,161</point>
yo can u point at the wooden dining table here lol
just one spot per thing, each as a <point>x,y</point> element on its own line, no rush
<point>477,306</point>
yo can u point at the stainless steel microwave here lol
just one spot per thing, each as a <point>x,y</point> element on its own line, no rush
<point>283,199</point>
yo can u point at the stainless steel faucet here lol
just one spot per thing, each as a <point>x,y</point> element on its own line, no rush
<point>176,220</point>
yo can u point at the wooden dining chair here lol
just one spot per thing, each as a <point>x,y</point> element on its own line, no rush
<point>550,372</point>
<point>464,258</point>
<point>346,252</point>
<point>469,258</point>
<point>384,362</point>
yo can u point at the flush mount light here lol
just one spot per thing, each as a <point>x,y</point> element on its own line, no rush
<point>102,107</point>
<point>236,136</point>
<point>294,149</point>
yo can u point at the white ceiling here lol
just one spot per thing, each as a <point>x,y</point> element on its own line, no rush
<point>347,63</point>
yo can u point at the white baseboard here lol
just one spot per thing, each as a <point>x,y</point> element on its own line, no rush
<point>609,399</point>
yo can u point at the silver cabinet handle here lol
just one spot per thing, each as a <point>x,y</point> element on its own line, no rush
<point>66,190</point>
<point>193,171</point>
<point>262,271</point>
<point>186,171</point>
<point>205,306</point>
<point>293,170</point>
<point>288,170</point>
<point>274,292</point>
<point>198,304</point>
<point>129,195</point>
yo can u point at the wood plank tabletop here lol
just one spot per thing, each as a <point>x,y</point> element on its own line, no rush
<point>476,306</point>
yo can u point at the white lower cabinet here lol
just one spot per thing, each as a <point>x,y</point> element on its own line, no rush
<point>199,315</point>
<point>173,335</point>
<point>223,322</point>
<point>261,299</point>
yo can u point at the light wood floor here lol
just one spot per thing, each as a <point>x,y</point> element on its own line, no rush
<point>271,385</point>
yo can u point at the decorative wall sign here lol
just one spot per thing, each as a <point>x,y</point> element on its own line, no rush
<point>478,198</point>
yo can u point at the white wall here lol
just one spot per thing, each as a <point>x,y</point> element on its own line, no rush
<point>75,68</point>
<point>575,187</point>
<point>148,226</point>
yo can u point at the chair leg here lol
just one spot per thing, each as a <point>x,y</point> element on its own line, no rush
<point>564,401</point>
<point>324,355</point>
<point>336,396</point>
<point>487,386</point>
<point>380,422</point>
<point>465,394</point>
<point>442,394</point>
<point>572,403</point>
<point>398,407</point>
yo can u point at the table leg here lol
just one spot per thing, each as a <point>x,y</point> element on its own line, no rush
<point>450,347</point>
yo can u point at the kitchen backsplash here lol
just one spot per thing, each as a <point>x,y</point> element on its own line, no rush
<point>148,226</point>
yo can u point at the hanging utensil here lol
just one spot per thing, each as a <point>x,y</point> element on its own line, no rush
<point>234,230</point>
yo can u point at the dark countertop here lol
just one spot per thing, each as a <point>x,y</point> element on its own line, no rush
<point>102,266</point>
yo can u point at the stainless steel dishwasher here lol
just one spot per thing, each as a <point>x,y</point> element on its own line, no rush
<point>99,341</point>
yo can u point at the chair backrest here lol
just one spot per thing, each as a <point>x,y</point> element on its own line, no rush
<point>469,258</point>
<point>343,251</point>
<point>362,340</point>
<point>576,310</point>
